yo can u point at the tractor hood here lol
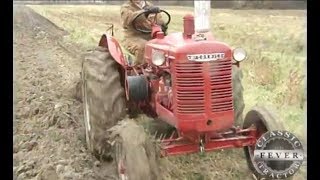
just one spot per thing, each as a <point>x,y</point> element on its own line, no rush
<point>178,48</point>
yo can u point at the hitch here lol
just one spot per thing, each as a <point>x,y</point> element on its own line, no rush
<point>201,145</point>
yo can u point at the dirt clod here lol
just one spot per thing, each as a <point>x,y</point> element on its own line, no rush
<point>48,173</point>
<point>22,176</point>
<point>30,145</point>
<point>97,163</point>
<point>59,169</point>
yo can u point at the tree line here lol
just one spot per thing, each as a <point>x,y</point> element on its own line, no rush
<point>235,4</point>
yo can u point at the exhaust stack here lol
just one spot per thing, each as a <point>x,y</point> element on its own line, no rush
<point>202,15</point>
<point>188,26</point>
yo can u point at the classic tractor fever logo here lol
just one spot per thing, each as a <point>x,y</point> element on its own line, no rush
<point>278,154</point>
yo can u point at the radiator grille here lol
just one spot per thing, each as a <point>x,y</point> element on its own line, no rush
<point>190,83</point>
<point>221,85</point>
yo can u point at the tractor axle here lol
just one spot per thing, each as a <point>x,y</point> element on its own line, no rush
<point>235,138</point>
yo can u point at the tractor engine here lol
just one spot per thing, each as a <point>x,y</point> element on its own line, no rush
<point>193,89</point>
<point>165,91</point>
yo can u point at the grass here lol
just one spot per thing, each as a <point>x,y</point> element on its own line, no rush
<point>273,74</point>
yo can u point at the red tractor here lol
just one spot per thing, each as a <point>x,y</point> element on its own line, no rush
<point>190,81</point>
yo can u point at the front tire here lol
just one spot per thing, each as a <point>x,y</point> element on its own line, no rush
<point>264,120</point>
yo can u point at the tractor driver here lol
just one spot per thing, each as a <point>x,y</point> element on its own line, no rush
<point>133,40</point>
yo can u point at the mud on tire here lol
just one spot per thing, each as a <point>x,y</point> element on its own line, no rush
<point>134,152</point>
<point>237,93</point>
<point>103,99</point>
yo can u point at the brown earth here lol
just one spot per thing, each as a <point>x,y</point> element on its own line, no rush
<point>48,139</point>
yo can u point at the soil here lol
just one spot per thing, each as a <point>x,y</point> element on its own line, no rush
<point>48,140</point>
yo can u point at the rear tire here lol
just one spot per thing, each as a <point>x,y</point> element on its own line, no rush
<point>103,99</point>
<point>108,135</point>
<point>237,93</point>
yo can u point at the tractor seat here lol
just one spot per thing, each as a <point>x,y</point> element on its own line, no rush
<point>130,58</point>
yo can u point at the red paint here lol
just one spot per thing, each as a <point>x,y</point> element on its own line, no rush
<point>188,26</point>
<point>199,102</point>
<point>155,30</point>
<point>114,48</point>
<point>181,146</point>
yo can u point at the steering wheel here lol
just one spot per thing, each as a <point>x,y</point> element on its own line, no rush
<point>149,31</point>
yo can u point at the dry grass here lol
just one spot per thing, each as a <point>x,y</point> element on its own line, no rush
<point>274,73</point>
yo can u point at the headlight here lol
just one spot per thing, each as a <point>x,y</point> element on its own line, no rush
<point>158,58</point>
<point>239,54</point>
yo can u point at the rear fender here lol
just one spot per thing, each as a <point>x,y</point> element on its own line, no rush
<point>114,48</point>
<point>115,51</point>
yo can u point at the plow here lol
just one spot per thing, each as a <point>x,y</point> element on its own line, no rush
<point>190,81</point>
